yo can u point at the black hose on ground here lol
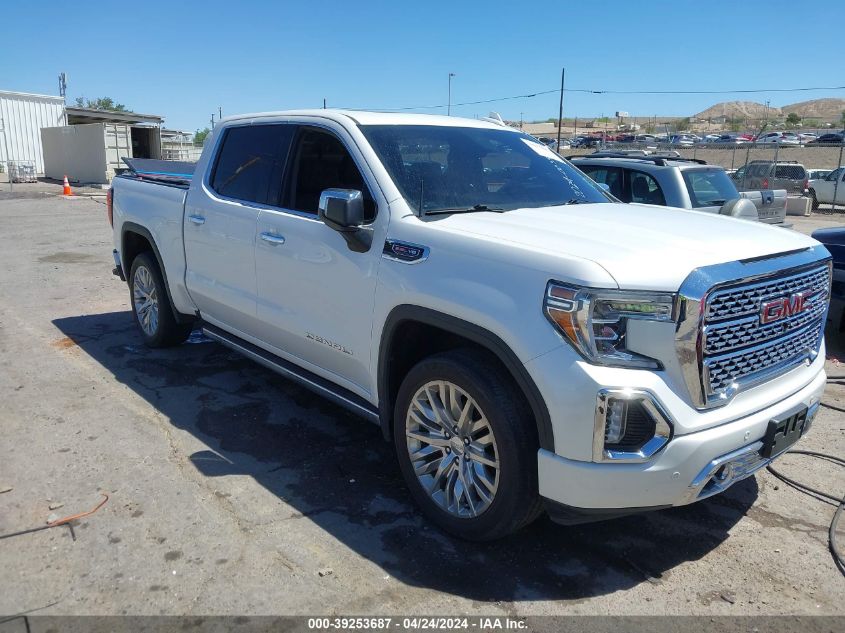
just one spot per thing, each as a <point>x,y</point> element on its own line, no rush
<point>838,557</point>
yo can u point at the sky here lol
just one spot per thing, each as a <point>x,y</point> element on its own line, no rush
<point>183,59</point>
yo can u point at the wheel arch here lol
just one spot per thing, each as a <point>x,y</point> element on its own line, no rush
<point>133,239</point>
<point>454,330</point>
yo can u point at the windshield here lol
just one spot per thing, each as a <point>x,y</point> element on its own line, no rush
<point>442,168</point>
<point>709,187</point>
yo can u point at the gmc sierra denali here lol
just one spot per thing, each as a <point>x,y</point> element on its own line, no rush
<point>525,341</point>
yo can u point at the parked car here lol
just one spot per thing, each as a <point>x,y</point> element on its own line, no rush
<point>806,137</point>
<point>522,339</point>
<point>682,183</point>
<point>834,240</point>
<point>781,138</point>
<point>818,174</point>
<point>731,139</point>
<point>828,190</point>
<point>682,139</point>
<point>836,138</point>
<point>588,142</point>
<point>765,174</point>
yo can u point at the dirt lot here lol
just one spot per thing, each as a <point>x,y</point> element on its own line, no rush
<point>233,491</point>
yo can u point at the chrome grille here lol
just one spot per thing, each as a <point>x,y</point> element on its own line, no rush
<point>730,335</point>
<point>724,369</point>
<point>744,300</point>
<point>737,348</point>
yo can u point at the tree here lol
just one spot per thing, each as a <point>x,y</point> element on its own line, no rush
<point>735,124</point>
<point>792,119</point>
<point>679,125</point>
<point>101,103</point>
<point>199,136</point>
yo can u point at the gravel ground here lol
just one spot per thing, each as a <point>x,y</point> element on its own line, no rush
<point>232,491</point>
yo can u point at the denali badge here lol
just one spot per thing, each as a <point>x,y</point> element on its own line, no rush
<point>783,307</point>
<point>319,339</point>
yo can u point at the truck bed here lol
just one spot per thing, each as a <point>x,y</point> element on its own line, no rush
<point>172,172</point>
<point>770,203</point>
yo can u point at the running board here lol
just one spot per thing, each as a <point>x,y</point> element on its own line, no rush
<point>320,386</point>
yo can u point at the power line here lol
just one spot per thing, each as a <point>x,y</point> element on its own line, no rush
<point>602,91</point>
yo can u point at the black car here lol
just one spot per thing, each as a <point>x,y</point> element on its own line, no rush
<point>834,241</point>
<point>587,141</point>
<point>828,139</point>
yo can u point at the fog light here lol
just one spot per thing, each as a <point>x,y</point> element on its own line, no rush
<point>614,428</point>
<point>630,425</point>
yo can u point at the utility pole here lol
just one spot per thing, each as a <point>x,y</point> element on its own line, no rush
<point>324,103</point>
<point>212,120</point>
<point>449,103</point>
<point>560,110</point>
<point>219,113</point>
<point>520,120</point>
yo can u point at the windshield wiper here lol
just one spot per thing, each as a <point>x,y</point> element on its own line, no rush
<point>478,208</point>
<point>576,201</point>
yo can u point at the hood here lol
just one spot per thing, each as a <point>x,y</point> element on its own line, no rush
<point>640,246</point>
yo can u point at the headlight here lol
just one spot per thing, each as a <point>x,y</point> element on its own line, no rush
<point>595,321</point>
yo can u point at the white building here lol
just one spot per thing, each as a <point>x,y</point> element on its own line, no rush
<point>23,115</point>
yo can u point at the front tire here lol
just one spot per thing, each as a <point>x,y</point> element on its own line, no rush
<point>467,445</point>
<point>151,305</point>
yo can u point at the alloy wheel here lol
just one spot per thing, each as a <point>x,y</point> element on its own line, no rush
<point>145,298</point>
<point>452,449</point>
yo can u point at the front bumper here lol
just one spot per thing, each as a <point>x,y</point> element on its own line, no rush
<point>680,474</point>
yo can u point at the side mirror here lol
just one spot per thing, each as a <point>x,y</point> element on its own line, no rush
<point>342,209</point>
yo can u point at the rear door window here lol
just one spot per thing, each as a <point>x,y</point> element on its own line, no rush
<point>644,188</point>
<point>610,176</point>
<point>251,161</point>
<point>792,172</point>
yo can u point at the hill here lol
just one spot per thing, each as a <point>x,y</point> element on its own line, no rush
<point>828,109</point>
<point>822,109</point>
<point>738,110</point>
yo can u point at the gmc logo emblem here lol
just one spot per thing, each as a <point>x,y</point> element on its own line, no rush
<point>784,307</point>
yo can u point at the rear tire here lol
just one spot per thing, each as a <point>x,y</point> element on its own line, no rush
<point>151,306</point>
<point>467,445</point>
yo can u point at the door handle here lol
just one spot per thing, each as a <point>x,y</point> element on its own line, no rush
<point>272,238</point>
<point>197,219</point>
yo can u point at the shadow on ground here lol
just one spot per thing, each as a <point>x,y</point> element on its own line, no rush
<point>306,451</point>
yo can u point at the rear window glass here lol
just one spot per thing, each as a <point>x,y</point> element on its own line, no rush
<point>793,172</point>
<point>761,169</point>
<point>709,187</point>
<point>249,166</point>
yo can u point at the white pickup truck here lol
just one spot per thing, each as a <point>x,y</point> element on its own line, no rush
<point>523,340</point>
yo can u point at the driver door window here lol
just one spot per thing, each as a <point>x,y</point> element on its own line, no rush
<point>320,162</point>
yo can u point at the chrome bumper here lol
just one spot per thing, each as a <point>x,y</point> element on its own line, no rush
<point>723,472</point>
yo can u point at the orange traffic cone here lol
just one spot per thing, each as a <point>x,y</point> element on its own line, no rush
<point>66,190</point>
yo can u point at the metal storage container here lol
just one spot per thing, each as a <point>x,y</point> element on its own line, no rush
<point>93,152</point>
